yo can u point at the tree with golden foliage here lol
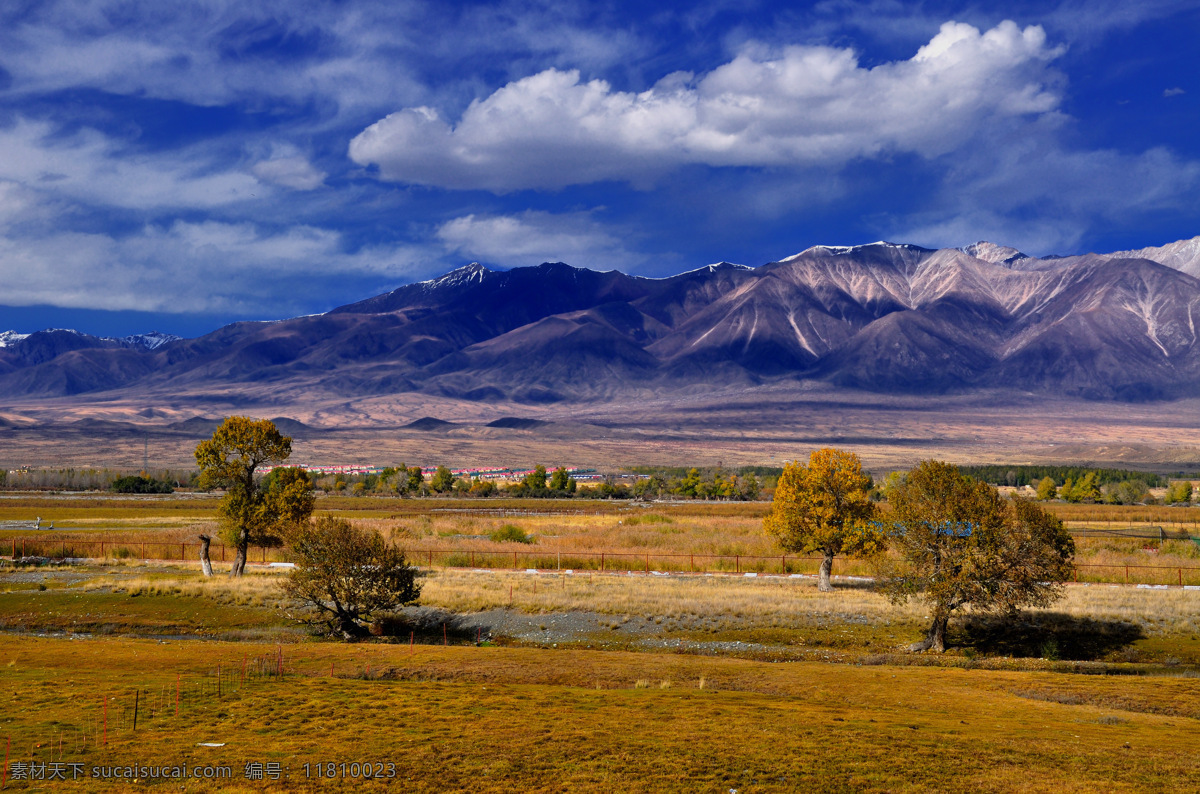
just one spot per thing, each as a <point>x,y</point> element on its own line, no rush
<point>825,507</point>
<point>961,543</point>
<point>1047,489</point>
<point>255,511</point>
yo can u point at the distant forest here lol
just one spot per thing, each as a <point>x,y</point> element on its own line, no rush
<point>1032,475</point>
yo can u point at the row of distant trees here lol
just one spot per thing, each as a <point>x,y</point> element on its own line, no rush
<point>1034,475</point>
<point>542,483</point>
<point>94,479</point>
<point>1068,483</point>
<point>1126,492</point>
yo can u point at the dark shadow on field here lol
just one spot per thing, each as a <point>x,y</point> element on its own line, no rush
<point>1049,635</point>
<point>429,625</point>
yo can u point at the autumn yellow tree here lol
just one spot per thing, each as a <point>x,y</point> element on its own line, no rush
<point>1047,489</point>
<point>255,510</point>
<point>825,508</point>
<point>959,543</point>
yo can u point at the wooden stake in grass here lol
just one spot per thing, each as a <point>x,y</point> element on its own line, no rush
<point>445,637</point>
<point>412,643</point>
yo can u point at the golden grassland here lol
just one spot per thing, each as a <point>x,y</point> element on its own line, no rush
<point>492,718</point>
<point>592,713</point>
<point>778,617</point>
<point>679,536</point>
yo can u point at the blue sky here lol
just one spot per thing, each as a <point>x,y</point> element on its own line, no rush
<point>176,166</point>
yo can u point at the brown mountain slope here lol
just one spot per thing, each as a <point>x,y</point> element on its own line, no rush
<point>881,317</point>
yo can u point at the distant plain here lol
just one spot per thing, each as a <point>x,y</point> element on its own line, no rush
<point>764,425</point>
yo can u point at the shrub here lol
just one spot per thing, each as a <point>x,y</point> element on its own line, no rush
<point>510,533</point>
<point>346,576</point>
<point>136,484</point>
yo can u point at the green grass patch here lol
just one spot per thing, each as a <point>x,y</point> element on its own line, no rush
<point>510,533</point>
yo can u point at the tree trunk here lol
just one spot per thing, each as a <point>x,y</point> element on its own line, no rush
<point>823,576</point>
<point>935,638</point>
<point>239,562</point>
<point>205,562</point>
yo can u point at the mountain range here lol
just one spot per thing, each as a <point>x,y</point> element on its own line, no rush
<point>881,317</point>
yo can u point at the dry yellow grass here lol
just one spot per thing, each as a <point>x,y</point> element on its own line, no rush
<point>676,537</point>
<point>504,719</point>
<point>774,602</point>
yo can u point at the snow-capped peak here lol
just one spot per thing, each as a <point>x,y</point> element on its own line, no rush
<point>845,249</point>
<point>459,276</point>
<point>1182,255</point>
<point>148,341</point>
<point>151,341</point>
<point>10,338</point>
<point>991,252</point>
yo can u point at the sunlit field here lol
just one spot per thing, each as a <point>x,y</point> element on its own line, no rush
<point>574,677</point>
<point>678,684</point>
<point>498,719</point>
<point>570,534</point>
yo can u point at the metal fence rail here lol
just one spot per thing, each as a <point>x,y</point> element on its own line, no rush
<point>526,558</point>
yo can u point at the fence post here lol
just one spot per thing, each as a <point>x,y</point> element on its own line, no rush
<point>182,552</point>
<point>1126,574</point>
<point>264,555</point>
<point>601,562</point>
<point>1181,577</point>
<point>1076,573</point>
<point>143,550</point>
<point>514,561</point>
<point>783,563</point>
<point>692,562</point>
<point>737,563</point>
<point>647,563</point>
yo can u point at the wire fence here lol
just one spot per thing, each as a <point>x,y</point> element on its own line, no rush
<point>531,559</point>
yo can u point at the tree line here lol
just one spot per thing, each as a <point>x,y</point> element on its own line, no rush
<point>93,479</point>
<point>542,483</point>
<point>998,474</point>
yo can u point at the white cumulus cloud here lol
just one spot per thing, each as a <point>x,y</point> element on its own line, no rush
<point>91,167</point>
<point>207,266</point>
<point>531,238</point>
<point>799,106</point>
<point>294,172</point>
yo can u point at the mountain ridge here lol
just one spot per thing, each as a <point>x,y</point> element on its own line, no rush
<point>885,317</point>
